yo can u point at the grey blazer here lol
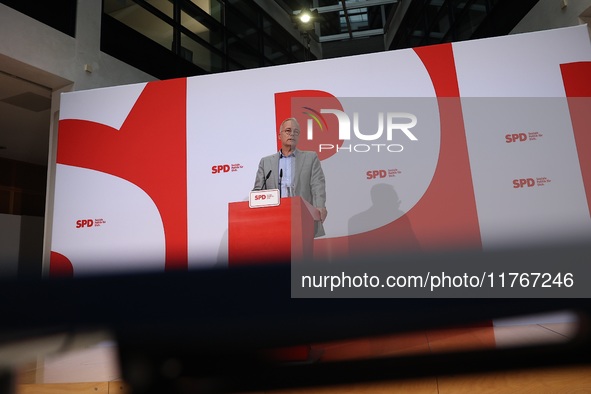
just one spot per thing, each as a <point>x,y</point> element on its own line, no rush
<point>309,182</point>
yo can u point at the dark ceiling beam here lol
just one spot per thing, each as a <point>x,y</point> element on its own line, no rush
<point>347,19</point>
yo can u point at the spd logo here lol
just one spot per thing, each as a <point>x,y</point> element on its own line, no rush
<point>522,137</point>
<point>375,174</point>
<point>531,182</point>
<point>380,174</point>
<point>220,168</point>
<point>84,223</point>
<point>523,182</point>
<point>223,168</point>
<point>509,138</point>
<point>88,223</point>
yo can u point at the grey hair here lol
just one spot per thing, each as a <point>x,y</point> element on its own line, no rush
<point>293,121</point>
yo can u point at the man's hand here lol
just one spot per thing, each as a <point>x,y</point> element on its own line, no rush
<point>323,213</point>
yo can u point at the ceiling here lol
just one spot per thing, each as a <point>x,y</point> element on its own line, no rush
<point>25,92</point>
<point>341,20</point>
<point>25,110</point>
<point>24,119</point>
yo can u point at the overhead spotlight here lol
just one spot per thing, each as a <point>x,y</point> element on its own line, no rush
<point>305,19</point>
<point>305,16</point>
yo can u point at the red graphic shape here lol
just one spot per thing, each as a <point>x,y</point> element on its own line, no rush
<point>445,218</point>
<point>304,105</point>
<point>60,266</point>
<point>149,151</point>
<point>450,198</point>
<point>440,64</point>
<point>577,84</point>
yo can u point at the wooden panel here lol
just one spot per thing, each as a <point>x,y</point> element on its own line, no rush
<point>64,388</point>
<point>418,386</point>
<point>555,381</point>
<point>118,387</point>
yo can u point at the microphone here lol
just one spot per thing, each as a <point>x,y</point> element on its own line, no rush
<point>280,176</point>
<point>265,180</point>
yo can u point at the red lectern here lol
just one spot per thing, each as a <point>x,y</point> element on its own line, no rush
<point>272,234</point>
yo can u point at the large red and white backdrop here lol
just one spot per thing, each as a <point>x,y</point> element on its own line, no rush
<point>474,145</point>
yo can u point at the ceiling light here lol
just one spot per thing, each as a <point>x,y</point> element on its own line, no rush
<point>305,16</point>
<point>305,19</point>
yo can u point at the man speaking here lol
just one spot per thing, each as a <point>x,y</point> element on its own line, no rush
<point>294,172</point>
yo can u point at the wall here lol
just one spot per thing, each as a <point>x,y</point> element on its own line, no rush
<point>10,230</point>
<point>550,14</point>
<point>38,53</point>
<point>20,245</point>
<point>40,46</point>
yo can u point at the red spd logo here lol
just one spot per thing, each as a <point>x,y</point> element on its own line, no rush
<point>262,197</point>
<point>379,174</point>
<point>223,168</point>
<point>84,223</point>
<point>376,174</point>
<point>88,223</point>
<point>522,137</point>
<point>523,182</point>
<point>218,169</point>
<point>515,137</point>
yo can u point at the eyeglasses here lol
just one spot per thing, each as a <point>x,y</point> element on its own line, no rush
<point>292,132</point>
